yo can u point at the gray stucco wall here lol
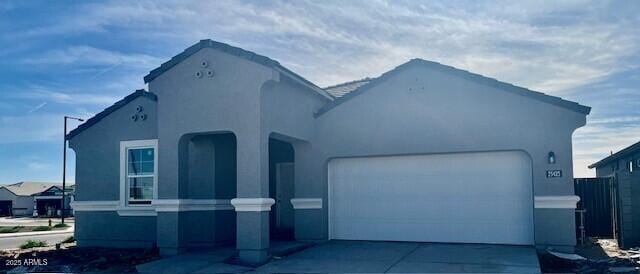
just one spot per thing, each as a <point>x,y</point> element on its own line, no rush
<point>6,195</point>
<point>426,111</point>
<point>21,205</point>
<point>418,111</point>
<point>97,152</point>
<point>108,229</point>
<point>228,102</point>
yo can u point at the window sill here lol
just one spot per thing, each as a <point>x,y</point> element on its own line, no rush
<point>137,211</point>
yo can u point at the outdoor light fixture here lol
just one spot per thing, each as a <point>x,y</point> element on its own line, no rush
<point>552,157</point>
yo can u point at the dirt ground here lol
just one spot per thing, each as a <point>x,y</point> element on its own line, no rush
<point>599,256</point>
<point>70,258</point>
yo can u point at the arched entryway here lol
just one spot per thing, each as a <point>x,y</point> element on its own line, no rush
<point>281,188</point>
<point>208,172</point>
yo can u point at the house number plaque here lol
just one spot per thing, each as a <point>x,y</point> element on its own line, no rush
<point>554,173</point>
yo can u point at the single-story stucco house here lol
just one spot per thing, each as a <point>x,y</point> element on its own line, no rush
<point>228,146</point>
<point>48,203</point>
<point>19,199</point>
<point>623,168</point>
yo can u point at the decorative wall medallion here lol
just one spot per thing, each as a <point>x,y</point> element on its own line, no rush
<point>204,64</point>
<point>139,116</point>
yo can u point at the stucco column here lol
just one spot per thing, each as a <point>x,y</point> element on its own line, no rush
<point>309,173</point>
<point>169,224</point>
<point>252,204</point>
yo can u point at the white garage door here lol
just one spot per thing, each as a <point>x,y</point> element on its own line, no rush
<point>461,197</point>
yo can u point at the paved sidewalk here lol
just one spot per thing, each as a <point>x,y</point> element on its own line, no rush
<point>70,229</point>
<point>30,221</point>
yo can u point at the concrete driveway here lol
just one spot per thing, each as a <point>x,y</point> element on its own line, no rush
<point>363,256</point>
<point>371,257</point>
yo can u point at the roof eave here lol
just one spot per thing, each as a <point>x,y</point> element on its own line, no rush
<point>623,152</point>
<point>236,51</point>
<point>304,82</point>
<point>117,105</point>
<point>10,190</point>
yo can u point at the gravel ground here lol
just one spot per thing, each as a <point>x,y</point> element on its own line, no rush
<point>599,256</point>
<point>15,242</point>
<point>70,258</point>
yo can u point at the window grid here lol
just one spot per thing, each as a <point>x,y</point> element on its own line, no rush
<point>139,168</point>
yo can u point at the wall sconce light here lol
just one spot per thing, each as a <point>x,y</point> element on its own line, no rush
<point>552,157</point>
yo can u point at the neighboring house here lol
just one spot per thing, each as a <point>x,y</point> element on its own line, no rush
<point>624,168</point>
<point>18,199</point>
<point>230,146</point>
<point>48,202</point>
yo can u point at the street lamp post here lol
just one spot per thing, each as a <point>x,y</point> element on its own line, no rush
<point>64,163</point>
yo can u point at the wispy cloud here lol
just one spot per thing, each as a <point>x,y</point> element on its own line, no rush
<point>38,107</point>
<point>38,166</point>
<point>550,47</point>
<point>91,56</point>
<point>600,138</point>
<point>68,98</point>
<point>615,120</point>
<point>34,127</point>
<point>30,128</point>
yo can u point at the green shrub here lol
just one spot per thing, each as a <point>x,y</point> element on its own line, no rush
<point>41,228</point>
<point>10,229</point>
<point>32,244</point>
<point>61,225</point>
<point>69,240</point>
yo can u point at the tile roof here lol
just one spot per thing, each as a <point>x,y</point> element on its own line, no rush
<point>248,55</point>
<point>28,188</point>
<point>70,189</point>
<point>340,90</point>
<point>117,105</point>
<point>460,73</point>
<point>625,151</point>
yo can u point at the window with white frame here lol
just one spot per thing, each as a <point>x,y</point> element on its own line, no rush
<point>139,171</point>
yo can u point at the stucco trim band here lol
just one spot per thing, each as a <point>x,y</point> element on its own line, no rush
<point>94,205</point>
<point>163,205</point>
<point>568,201</point>
<point>252,204</point>
<point>306,203</point>
<point>176,205</point>
<point>49,197</point>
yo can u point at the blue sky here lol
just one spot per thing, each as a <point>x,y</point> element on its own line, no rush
<point>77,58</point>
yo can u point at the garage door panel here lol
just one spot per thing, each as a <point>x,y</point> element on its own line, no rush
<point>472,197</point>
